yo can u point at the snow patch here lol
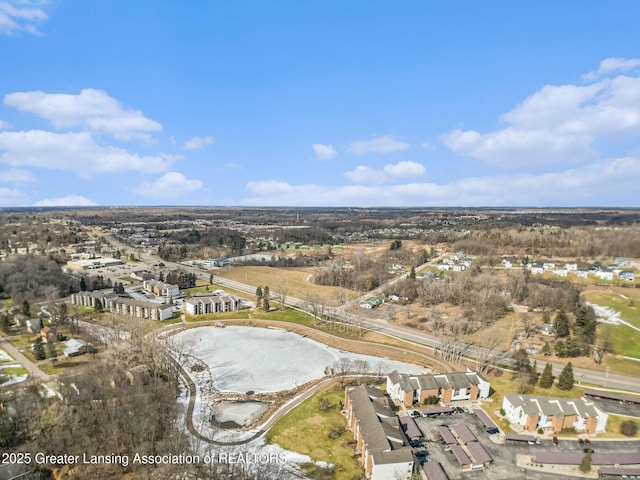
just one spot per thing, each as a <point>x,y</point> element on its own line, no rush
<point>610,316</point>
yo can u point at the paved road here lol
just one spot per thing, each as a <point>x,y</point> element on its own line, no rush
<point>32,368</point>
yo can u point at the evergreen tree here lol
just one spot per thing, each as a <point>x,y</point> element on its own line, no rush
<point>83,284</point>
<point>38,350</point>
<point>4,323</point>
<point>258,297</point>
<point>546,379</point>
<point>161,277</point>
<point>585,465</point>
<point>561,324</point>
<point>412,274</point>
<point>565,380</point>
<point>265,299</point>
<point>26,308</point>
<point>533,378</point>
<point>99,308</point>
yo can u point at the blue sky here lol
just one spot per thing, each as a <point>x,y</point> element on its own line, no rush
<point>319,103</point>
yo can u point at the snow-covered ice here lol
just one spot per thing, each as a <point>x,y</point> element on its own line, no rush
<point>241,359</point>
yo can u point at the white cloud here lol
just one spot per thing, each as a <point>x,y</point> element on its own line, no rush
<point>585,185</point>
<point>613,64</point>
<point>385,144</point>
<point>370,176</point>
<point>66,201</point>
<point>4,125</point>
<point>324,152</point>
<point>91,109</point>
<point>73,151</point>
<point>10,197</point>
<point>17,177</point>
<point>23,18</point>
<point>198,143</point>
<point>557,124</point>
<point>428,146</point>
<point>170,185</point>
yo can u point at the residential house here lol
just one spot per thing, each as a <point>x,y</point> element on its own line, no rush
<point>75,347</point>
<point>459,267</point>
<point>571,266</point>
<point>444,266</point>
<point>582,273</point>
<point>372,303</point>
<point>623,262</point>
<point>627,275</point>
<point>215,302</point>
<point>445,387</point>
<point>381,446</point>
<point>604,274</point>
<point>537,269</point>
<point>548,265</point>
<point>48,334</point>
<point>555,414</point>
<point>507,262</point>
<point>34,325</point>
<point>561,272</point>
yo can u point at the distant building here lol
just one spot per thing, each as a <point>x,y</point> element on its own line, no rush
<point>215,302</point>
<point>537,269</point>
<point>507,262</point>
<point>93,263</point>
<point>627,275</point>
<point>571,266</point>
<point>111,302</point>
<point>161,289</point>
<point>582,273</point>
<point>604,274</point>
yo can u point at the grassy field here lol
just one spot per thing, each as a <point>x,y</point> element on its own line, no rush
<point>623,300</point>
<point>307,429</point>
<point>296,281</point>
<point>625,340</point>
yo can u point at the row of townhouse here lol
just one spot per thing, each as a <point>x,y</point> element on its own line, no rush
<point>556,414</point>
<point>215,302</point>
<point>112,302</point>
<point>445,387</point>
<point>381,445</point>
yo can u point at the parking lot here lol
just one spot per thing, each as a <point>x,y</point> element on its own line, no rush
<point>504,456</point>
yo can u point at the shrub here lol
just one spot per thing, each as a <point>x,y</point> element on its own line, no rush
<point>629,428</point>
<point>502,412</point>
<point>540,431</point>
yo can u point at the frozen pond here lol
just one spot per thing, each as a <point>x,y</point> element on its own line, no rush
<point>269,360</point>
<point>238,414</point>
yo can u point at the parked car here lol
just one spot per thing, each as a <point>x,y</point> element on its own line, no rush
<point>581,442</point>
<point>587,442</point>
<point>555,441</point>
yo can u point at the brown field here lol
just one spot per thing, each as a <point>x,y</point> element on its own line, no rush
<point>294,280</point>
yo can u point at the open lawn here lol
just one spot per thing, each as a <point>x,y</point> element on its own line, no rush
<point>623,300</point>
<point>298,282</point>
<point>318,429</point>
